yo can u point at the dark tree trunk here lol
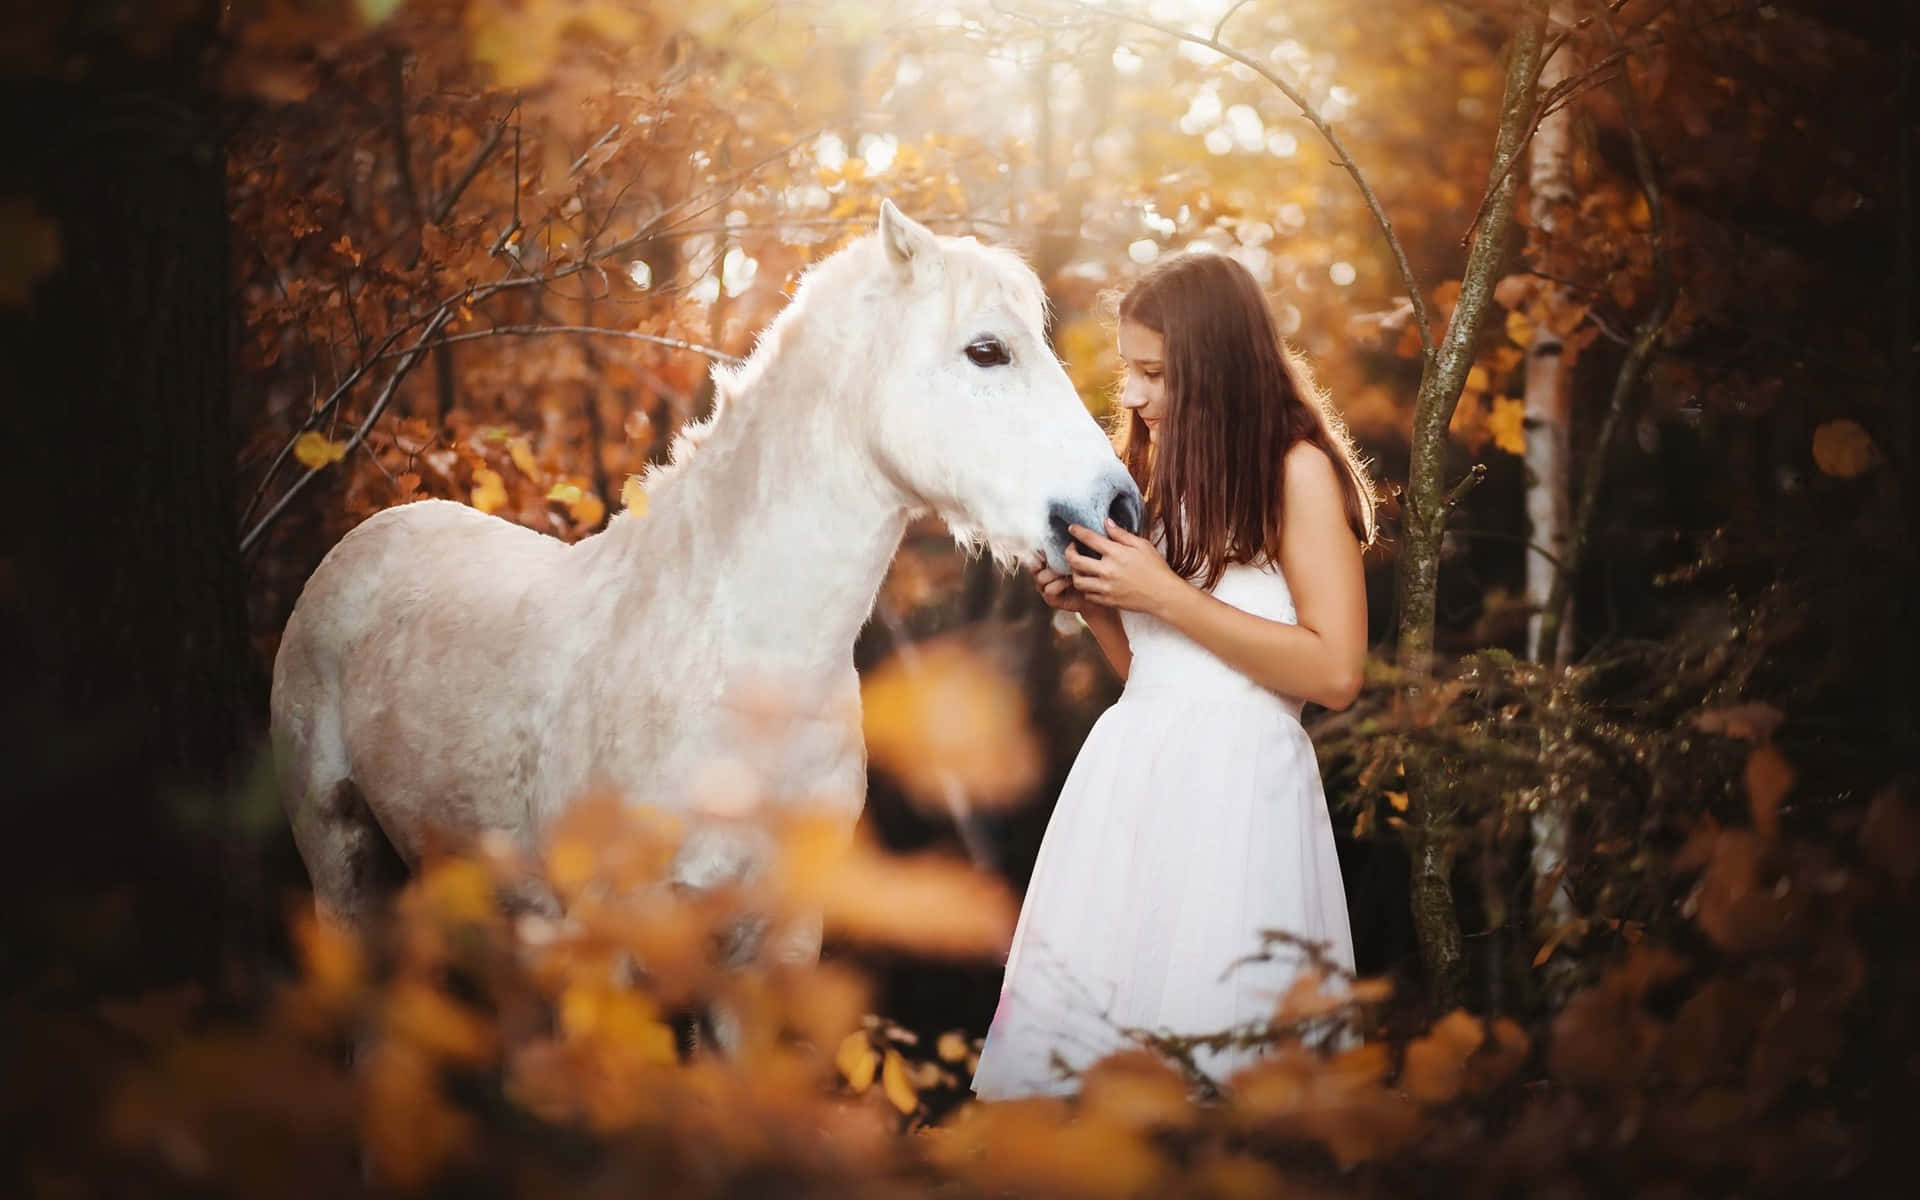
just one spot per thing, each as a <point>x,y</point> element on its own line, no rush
<point>134,680</point>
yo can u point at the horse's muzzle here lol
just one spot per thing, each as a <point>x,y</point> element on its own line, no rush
<point>1117,499</point>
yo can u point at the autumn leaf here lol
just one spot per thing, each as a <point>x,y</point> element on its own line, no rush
<point>588,510</point>
<point>952,1046</point>
<point>1507,422</point>
<point>895,1082</point>
<point>1844,449</point>
<point>857,1060</point>
<point>489,490</point>
<point>1519,328</point>
<point>1434,1069</point>
<point>315,450</point>
<point>633,497</point>
<point>521,452</point>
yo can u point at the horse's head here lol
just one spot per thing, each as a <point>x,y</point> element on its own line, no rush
<point>972,414</point>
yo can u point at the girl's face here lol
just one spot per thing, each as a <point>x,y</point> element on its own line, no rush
<point>1144,390</point>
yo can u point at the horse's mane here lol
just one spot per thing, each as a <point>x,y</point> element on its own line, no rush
<point>972,267</point>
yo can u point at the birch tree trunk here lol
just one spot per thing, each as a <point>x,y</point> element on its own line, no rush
<point>1550,187</point>
<point>1548,417</point>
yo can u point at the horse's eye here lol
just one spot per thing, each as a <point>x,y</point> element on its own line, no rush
<point>988,352</point>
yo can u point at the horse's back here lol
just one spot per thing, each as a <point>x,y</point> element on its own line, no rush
<point>416,614</point>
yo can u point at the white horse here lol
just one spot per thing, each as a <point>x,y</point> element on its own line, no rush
<point>448,672</point>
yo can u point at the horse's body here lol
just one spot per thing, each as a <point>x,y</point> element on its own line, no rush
<point>447,671</point>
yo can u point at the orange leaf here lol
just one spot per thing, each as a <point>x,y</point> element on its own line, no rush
<point>1844,449</point>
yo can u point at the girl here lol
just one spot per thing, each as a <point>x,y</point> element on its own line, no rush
<point>1193,818</point>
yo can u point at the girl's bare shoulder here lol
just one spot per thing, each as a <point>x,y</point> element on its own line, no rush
<point>1309,471</point>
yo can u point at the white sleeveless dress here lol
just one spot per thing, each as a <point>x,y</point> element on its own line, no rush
<point>1193,818</point>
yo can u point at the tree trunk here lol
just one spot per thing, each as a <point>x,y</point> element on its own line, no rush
<point>1550,187</point>
<point>1548,418</point>
<point>1427,501</point>
<point>129,594</point>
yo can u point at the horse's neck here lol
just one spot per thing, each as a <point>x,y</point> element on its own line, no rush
<point>780,531</point>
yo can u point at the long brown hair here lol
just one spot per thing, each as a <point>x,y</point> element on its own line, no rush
<point>1236,402</point>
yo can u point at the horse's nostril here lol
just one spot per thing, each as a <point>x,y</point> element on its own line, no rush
<point>1125,512</point>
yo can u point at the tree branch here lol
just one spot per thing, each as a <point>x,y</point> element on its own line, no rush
<point>1312,114</point>
<point>400,372</point>
<point>718,356</point>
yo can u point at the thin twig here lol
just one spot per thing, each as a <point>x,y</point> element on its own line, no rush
<point>313,419</point>
<point>400,372</point>
<point>1227,16</point>
<point>444,207</point>
<point>718,356</point>
<point>1312,114</point>
<point>1475,476</point>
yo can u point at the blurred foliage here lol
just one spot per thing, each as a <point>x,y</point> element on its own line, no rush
<point>1750,1049</point>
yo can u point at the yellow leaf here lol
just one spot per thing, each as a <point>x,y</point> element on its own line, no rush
<point>314,450</point>
<point>565,493</point>
<point>1844,450</point>
<point>895,1083</point>
<point>588,509</point>
<point>633,497</point>
<point>1508,425</point>
<point>1477,380</point>
<point>1398,800</point>
<point>522,454</point>
<point>1519,328</point>
<point>953,1046</point>
<point>857,1060</point>
<point>489,490</point>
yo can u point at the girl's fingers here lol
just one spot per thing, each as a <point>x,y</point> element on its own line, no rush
<point>1089,538</point>
<point>1119,533</point>
<point>1083,564</point>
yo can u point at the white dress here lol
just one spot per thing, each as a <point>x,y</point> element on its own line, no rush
<point>1193,818</point>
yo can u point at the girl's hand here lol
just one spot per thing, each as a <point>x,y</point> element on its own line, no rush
<point>1056,588</point>
<point>1129,573</point>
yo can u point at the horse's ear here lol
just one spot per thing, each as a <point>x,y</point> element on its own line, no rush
<point>904,238</point>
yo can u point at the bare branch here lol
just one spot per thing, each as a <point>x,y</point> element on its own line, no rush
<point>314,418</point>
<point>1227,16</point>
<point>718,356</point>
<point>400,372</point>
<point>1475,476</point>
<point>444,207</point>
<point>1312,114</point>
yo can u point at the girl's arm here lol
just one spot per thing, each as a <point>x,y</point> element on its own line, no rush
<point>1319,659</point>
<point>1112,636</point>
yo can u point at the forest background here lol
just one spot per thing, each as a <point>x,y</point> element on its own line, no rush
<point>1617,298</point>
